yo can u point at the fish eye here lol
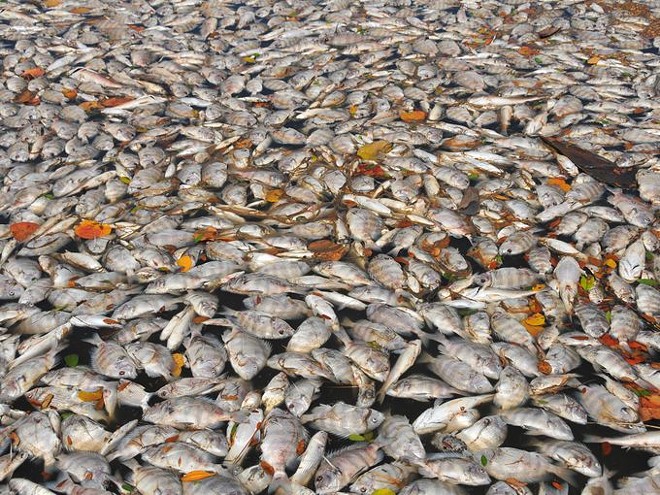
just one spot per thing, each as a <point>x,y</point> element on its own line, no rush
<point>363,489</point>
<point>122,373</point>
<point>319,479</point>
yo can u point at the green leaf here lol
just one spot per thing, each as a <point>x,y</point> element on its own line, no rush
<point>125,180</point>
<point>383,491</point>
<point>49,196</point>
<point>65,414</point>
<point>587,282</point>
<point>484,460</point>
<point>71,360</point>
<point>649,256</point>
<point>473,176</point>
<point>648,281</point>
<point>538,60</point>
<point>608,316</point>
<point>642,392</point>
<point>354,437</point>
<point>127,488</point>
<point>369,436</point>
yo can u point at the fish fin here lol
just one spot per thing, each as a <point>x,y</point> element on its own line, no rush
<point>571,477</point>
<point>280,484</point>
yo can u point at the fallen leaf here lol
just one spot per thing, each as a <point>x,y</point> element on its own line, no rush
<point>89,106</point>
<point>179,361</point>
<point>91,396</point>
<point>33,73</point>
<point>206,234</point>
<point>69,93</point>
<point>27,97</point>
<point>548,31</point>
<point>71,360</point>
<point>23,230</point>
<point>528,51</point>
<point>534,330</point>
<point>414,116</point>
<point>115,101</point>
<point>185,262</point>
<point>327,250</point>
<point>544,367</point>
<point>80,10</point>
<point>606,448</point>
<point>594,165</point>
<point>373,150</point>
<point>560,183</point>
<point>593,60</point>
<point>383,491</point>
<point>90,229</point>
<point>274,195</point>
<point>372,170</point>
<point>608,340</point>
<point>52,3</point>
<point>536,319</point>
<point>197,475</point>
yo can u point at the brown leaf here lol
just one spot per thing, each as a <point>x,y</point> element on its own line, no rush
<point>528,51</point>
<point>27,97</point>
<point>596,166</point>
<point>327,250</point>
<point>115,101</point>
<point>548,31</point>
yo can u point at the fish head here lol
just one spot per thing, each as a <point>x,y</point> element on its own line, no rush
<point>328,480</point>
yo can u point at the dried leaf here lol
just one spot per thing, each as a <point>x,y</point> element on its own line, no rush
<point>560,183</point>
<point>23,230</point>
<point>528,51</point>
<point>80,10</point>
<point>414,116</point>
<point>89,106</point>
<point>596,166</point>
<point>372,170</point>
<point>197,475</point>
<point>27,97</point>
<point>536,319</point>
<point>69,93</point>
<point>548,31</point>
<point>89,229</point>
<point>206,234</point>
<point>593,60</point>
<point>373,150</point>
<point>327,250</point>
<point>95,396</point>
<point>179,361</point>
<point>185,262</point>
<point>114,101</point>
<point>52,3</point>
<point>33,73</point>
<point>608,340</point>
<point>274,195</point>
<point>534,330</point>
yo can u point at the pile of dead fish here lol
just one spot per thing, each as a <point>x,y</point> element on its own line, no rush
<point>375,247</point>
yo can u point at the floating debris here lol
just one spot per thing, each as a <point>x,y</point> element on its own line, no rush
<point>327,247</point>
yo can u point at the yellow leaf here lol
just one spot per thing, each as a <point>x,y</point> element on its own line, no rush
<point>610,262</point>
<point>532,329</point>
<point>274,195</point>
<point>197,475</point>
<point>185,262</point>
<point>383,491</point>
<point>373,150</point>
<point>95,396</point>
<point>593,60</point>
<point>178,364</point>
<point>52,3</point>
<point>536,319</point>
<point>414,116</point>
<point>538,287</point>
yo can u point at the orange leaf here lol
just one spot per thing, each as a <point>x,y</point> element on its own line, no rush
<point>115,101</point>
<point>200,319</point>
<point>33,73</point>
<point>608,340</point>
<point>89,229</point>
<point>414,116</point>
<point>27,97</point>
<point>22,230</point>
<point>537,319</point>
<point>52,3</point>
<point>544,367</point>
<point>528,51</point>
<point>593,60</point>
<point>88,106</point>
<point>197,475</point>
<point>606,448</point>
<point>80,10</point>
<point>533,329</point>
<point>206,234</point>
<point>185,262</point>
<point>69,93</point>
<point>560,183</point>
<point>637,346</point>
